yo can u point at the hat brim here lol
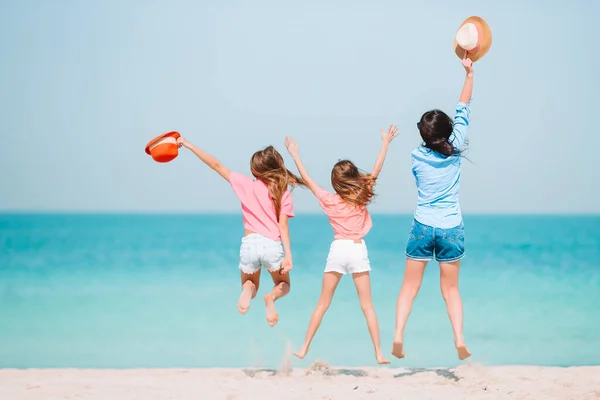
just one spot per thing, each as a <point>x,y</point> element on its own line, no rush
<point>484,44</point>
<point>173,134</point>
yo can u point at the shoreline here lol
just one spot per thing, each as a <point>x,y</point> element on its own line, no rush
<point>319,381</point>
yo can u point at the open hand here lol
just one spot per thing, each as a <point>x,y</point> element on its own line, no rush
<point>390,135</point>
<point>291,146</point>
<point>468,64</point>
<point>286,266</point>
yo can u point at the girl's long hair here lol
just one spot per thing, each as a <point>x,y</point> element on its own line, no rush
<point>267,166</point>
<point>352,185</point>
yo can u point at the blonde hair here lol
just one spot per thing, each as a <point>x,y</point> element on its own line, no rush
<point>267,166</point>
<point>352,185</point>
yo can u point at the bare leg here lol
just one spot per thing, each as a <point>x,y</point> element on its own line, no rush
<point>250,283</point>
<point>281,288</point>
<point>330,282</point>
<point>362,281</point>
<point>449,286</point>
<point>413,275</point>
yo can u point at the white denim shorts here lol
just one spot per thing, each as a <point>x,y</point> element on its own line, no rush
<point>348,257</point>
<point>257,251</point>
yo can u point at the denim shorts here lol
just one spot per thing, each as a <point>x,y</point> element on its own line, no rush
<point>424,241</point>
<point>257,250</point>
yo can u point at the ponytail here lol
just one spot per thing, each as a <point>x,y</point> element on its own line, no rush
<point>443,147</point>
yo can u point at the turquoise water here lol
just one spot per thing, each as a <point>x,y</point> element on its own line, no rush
<point>160,291</point>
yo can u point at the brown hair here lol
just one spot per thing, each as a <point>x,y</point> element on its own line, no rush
<point>352,185</point>
<point>267,166</point>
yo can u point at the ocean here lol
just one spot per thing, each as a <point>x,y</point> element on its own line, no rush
<point>149,291</point>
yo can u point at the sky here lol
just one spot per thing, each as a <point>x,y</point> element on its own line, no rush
<point>85,85</point>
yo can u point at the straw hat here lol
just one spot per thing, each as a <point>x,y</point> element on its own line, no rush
<point>163,148</point>
<point>473,36</point>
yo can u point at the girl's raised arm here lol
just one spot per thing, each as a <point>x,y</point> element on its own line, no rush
<point>386,138</point>
<point>467,90</point>
<point>292,148</point>
<point>206,158</point>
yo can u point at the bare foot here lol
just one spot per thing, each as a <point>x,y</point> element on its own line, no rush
<point>463,352</point>
<point>398,350</point>
<point>381,359</point>
<point>244,301</point>
<point>272,317</point>
<point>301,353</point>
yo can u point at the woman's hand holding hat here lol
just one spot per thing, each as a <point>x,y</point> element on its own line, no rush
<point>468,64</point>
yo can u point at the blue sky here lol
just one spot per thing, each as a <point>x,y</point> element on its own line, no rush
<point>84,86</point>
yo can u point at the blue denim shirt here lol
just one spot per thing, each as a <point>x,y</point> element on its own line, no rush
<point>438,178</point>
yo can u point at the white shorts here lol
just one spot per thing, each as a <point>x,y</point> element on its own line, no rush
<point>257,251</point>
<point>348,257</point>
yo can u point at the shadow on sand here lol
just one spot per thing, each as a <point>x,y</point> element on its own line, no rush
<point>260,372</point>
<point>441,372</point>
<point>265,372</point>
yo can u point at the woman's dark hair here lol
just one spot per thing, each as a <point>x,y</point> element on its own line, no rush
<point>436,127</point>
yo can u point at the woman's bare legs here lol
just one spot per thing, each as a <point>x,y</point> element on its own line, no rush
<point>362,281</point>
<point>330,282</point>
<point>250,283</point>
<point>282,287</point>
<point>413,275</point>
<point>449,286</point>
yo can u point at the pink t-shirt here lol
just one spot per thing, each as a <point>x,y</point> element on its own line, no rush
<point>257,207</point>
<point>347,220</point>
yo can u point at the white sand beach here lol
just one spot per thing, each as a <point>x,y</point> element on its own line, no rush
<point>320,382</point>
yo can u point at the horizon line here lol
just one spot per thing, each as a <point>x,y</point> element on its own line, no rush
<point>307,213</point>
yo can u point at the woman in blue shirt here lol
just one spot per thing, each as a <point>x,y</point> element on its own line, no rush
<point>437,229</point>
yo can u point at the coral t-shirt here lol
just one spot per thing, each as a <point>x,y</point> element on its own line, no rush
<point>347,220</point>
<point>257,207</point>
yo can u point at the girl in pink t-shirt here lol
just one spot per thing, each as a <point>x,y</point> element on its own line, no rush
<point>266,207</point>
<point>350,220</point>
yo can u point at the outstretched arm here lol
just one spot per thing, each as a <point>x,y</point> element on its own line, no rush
<point>467,90</point>
<point>386,138</point>
<point>292,148</point>
<point>206,158</point>
<point>463,111</point>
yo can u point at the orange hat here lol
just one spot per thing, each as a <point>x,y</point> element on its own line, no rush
<point>164,148</point>
<point>475,37</point>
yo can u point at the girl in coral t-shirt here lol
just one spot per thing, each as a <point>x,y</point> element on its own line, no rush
<point>350,220</point>
<point>266,207</point>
